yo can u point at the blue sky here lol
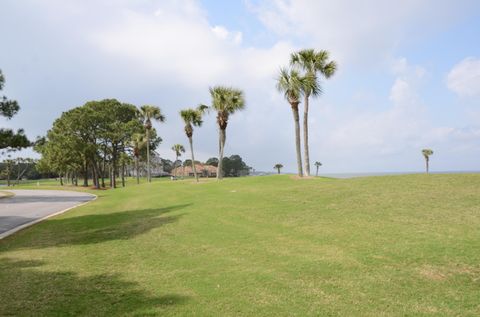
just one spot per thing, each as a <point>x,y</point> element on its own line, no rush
<point>409,73</point>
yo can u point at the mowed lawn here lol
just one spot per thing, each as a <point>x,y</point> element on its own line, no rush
<point>259,246</point>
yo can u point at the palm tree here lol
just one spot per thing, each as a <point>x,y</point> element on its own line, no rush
<point>317,165</point>
<point>292,84</point>
<point>192,117</point>
<point>138,142</point>
<point>278,167</point>
<point>178,149</point>
<point>311,62</point>
<point>426,153</point>
<point>226,101</point>
<point>147,114</point>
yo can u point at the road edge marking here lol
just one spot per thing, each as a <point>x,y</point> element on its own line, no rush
<point>31,223</point>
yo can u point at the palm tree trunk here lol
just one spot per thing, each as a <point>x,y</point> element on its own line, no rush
<point>222,138</point>
<point>426,164</point>
<point>278,169</point>
<point>136,169</point>
<point>148,156</point>
<point>190,139</point>
<point>296,118</point>
<point>175,166</point>
<point>305,138</point>
<point>317,172</point>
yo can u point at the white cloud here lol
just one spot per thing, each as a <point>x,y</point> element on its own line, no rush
<point>223,34</point>
<point>357,31</point>
<point>182,45</point>
<point>464,78</point>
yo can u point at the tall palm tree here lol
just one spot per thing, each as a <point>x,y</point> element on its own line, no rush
<point>278,167</point>
<point>426,153</point>
<point>312,63</point>
<point>291,83</point>
<point>226,101</point>
<point>147,114</point>
<point>138,142</point>
<point>178,149</point>
<point>192,117</point>
<point>317,165</point>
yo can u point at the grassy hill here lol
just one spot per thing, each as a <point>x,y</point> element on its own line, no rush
<point>260,246</point>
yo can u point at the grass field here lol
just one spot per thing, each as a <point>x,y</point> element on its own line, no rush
<point>259,246</point>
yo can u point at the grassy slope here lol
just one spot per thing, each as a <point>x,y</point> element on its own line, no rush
<point>270,246</point>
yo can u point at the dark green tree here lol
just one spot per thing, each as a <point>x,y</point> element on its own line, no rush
<point>10,139</point>
<point>89,140</point>
<point>213,161</point>
<point>234,166</point>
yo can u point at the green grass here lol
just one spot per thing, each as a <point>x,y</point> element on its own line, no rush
<point>260,246</point>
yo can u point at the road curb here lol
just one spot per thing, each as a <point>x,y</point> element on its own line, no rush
<point>31,223</point>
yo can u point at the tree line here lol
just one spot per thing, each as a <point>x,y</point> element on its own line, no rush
<point>101,138</point>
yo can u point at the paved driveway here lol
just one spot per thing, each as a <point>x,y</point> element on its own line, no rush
<point>30,206</point>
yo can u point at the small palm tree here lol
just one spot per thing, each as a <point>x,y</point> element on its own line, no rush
<point>147,114</point>
<point>317,165</point>
<point>226,101</point>
<point>192,117</point>
<point>312,63</point>
<point>426,153</point>
<point>178,149</point>
<point>278,167</point>
<point>292,84</point>
<point>138,142</point>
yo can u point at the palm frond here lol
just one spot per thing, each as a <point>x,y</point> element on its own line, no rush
<point>427,152</point>
<point>178,149</point>
<point>149,112</point>
<point>227,99</point>
<point>289,82</point>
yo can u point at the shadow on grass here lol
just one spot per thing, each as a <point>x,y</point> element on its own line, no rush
<point>27,290</point>
<point>89,229</point>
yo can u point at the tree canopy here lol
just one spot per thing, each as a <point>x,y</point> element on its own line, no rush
<point>9,139</point>
<point>234,166</point>
<point>92,138</point>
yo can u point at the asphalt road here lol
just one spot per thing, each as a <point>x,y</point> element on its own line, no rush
<point>30,206</point>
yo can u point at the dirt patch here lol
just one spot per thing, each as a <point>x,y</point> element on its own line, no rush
<point>4,194</point>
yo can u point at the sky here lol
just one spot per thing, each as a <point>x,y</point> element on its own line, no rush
<point>408,74</point>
